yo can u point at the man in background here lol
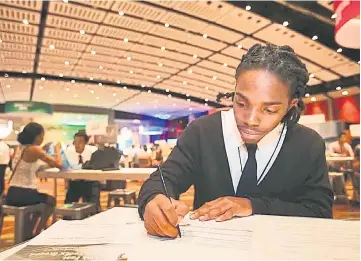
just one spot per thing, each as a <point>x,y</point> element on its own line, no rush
<point>4,162</point>
<point>77,155</point>
<point>340,147</point>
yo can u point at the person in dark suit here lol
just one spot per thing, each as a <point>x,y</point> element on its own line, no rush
<point>252,159</point>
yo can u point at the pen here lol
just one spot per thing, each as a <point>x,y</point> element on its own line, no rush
<point>166,192</point>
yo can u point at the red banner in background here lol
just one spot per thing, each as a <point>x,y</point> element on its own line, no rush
<point>347,26</point>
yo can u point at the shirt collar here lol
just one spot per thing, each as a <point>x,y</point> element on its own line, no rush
<point>232,131</point>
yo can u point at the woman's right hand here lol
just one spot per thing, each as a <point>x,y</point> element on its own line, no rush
<point>162,216</point>
<point>57,147</point>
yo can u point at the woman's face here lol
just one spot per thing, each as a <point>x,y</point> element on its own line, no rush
<point>39,139</point>
<point>260,103</point>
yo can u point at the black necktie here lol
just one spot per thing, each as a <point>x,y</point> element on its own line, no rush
<point>80,159</point>
<point>248,179</point>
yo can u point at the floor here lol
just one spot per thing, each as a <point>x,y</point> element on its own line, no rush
<point>340,211</point>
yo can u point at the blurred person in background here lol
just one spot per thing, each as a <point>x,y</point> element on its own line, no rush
<point>340,147</point>
<point>4,162</point>
<point>157,155</point>
<point>144,157</point>
<point>77,155</point>
<point>23,190</point>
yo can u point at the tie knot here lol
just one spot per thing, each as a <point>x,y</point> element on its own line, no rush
<point>251,148</point>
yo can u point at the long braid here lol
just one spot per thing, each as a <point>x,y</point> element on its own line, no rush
<point>283,62</point>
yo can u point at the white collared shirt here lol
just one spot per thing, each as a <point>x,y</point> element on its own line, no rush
<point>234,143</point>
<point>73,156</point>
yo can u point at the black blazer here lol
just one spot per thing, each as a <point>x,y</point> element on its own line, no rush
<point>297,184</point>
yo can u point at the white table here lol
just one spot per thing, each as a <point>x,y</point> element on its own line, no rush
<point>272,237</point>
<point>139,174</point>
<point>338,159</point>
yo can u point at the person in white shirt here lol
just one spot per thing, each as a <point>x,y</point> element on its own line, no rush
<point>77,155</point>
<point>340,148</point>
<point>4,162</point>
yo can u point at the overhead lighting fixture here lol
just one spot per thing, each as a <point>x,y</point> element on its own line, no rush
<point>188,100</point>
<point>313,99</point>
<point>91,78</point>
<point>101,67</point>
<point>225,65</point>
<point>312,75</point>
<point>307,95</point>
<point>338,88</point>
<point>285,23</point>
<point>339,50</point>
<point>206,87</point>
<point>65,1</point>
<point>97,98</point>
<point>75,95</point>
<point>25,22</point>
<point>205,35</point>
<point>129,58</point>
<point>124,87</point>
<point>184,82</point>
<point>315,37</point>
<point>166,25</point>
<point>100,84</point>
<point>187,94</point>
<point>149,91</point>
<point>72,81</point>
<point>160,64</point>
<point>93,52</point>
<point>6,75</point>
<point>195,56</point>
<point>118,82</point>
<point>67,62</point>
<point>190,71</point>
<point>52,47</point>
<point>239,46</point>
<point>206,99</point>
<point>214,77</point>
<point>82,31</point>
<point>131,72</point>
<point>121,13</point>
<point>248,7</point>
<point>114,94</point>
<point>8,86</point>
<point>143,85</point>
<point>92,91</point>
<point>162,48</point>
<point>67,89</point>
<point>344,93</point>
<point>334,16</point>
<point>1,41</point>
<point>158,76</point>
<point>42,78</point>
<point>167,90</point>
<point>126,40</point>
<point>61,75</point>
<point>170,95</point>
<point>24,71</point>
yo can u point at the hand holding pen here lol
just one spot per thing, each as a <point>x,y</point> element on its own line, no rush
<point>162,214</point>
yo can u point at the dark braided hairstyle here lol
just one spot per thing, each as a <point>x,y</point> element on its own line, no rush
<point>283,62</point>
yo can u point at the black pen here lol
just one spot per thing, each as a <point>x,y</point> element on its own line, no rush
<point>166,192</point>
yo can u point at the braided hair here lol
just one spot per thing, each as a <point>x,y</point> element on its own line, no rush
<point>284,63</point>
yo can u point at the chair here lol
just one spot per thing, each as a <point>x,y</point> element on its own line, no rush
<point>117,194</point>
<point>76,211</point>
<point>337,181</point>
<point>21,213</point>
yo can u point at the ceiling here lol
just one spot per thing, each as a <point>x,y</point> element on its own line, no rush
<point>159,58</point>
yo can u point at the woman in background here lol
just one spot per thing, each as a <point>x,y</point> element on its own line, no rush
<point>23,190</point>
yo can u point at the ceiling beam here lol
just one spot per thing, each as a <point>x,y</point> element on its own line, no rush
<point>43,16</point>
